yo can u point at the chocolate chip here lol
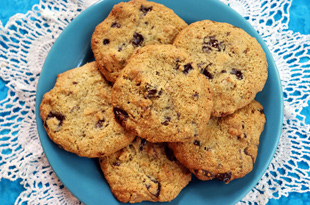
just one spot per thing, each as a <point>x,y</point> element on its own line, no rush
<point>74,82</point>
<point>143,143</point>
<point>228,33</point>
<point>237,72</point>
<point>244,135</point>
<point>60,117</point>
<point>196,142</point>
<point>157,191</point>
<point>169,153</point>
<point>151,93</point>
<point>160,92</point>
<point>261,111</point>
<point>99,123</point>
<point>116,164</point>
<point>131,146</point>
<point>167,120</point>
<point>137,40</point>
<point>187,67</point>
<point>106,41</point>
<point>207,74</point>
<point>207,149</point>
<point>223,71</point>
<point>115,25</point>
<point>204,69</point>
<point>224,177</point>
<point>196,96</point>
<point>211,41</point>
<point>145,10</point>
<point>206,49</point>
<point>120,115</point>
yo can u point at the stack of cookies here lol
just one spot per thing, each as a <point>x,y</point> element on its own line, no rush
<point>162,101</point>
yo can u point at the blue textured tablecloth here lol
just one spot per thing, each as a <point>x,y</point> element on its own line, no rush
<point>299,22</point>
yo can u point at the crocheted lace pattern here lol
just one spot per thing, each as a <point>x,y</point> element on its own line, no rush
<point>26,40</point>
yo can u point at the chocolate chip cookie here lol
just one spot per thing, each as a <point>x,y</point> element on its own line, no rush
<point>161,96</point>
<point>228,148</point>
<point>128,27</point>
<point>78,115</point>
<point>144,171</point>
<point>232,60</point>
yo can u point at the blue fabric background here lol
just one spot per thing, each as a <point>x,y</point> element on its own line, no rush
<point>300,22</point>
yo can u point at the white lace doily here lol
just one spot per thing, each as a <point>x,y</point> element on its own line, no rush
<point>26,40</point>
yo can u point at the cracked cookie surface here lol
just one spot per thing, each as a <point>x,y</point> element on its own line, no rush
<point>128,27</point>
<point>78,115</point>
<point>228,148</point>
<point>161,96</point>
<point>233,62</point>
<point>144,171</point>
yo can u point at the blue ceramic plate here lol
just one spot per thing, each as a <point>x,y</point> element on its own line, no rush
<point>83,176</point>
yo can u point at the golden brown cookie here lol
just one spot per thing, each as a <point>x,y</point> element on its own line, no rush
<point>78,115</point>
<point>232,60</point>
<point>161,96</point>
<point>130,26</point>
<point>228,148</point>
<point>144,171</point>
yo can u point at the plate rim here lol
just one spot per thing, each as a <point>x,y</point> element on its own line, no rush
<point>259,39</point>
